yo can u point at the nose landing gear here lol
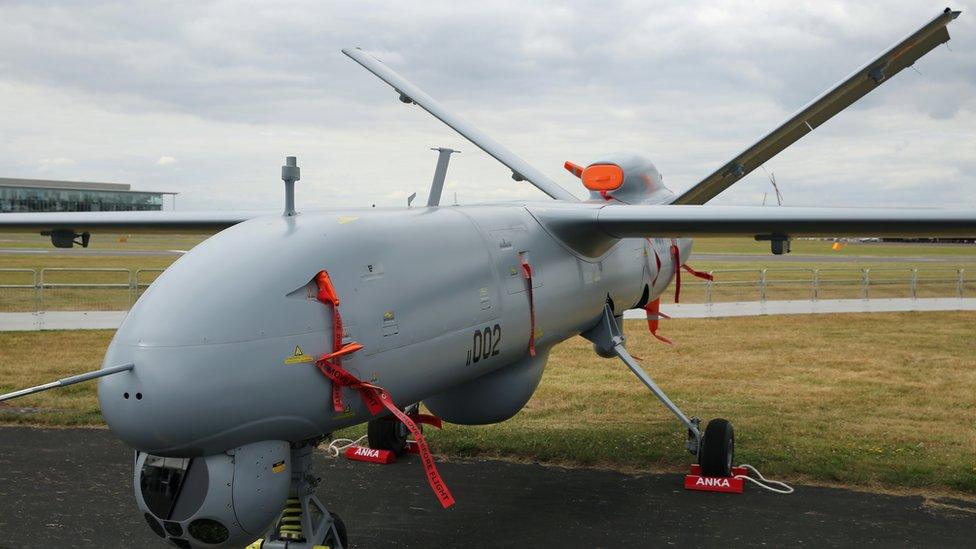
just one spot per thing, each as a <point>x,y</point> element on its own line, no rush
<point>305,522</point>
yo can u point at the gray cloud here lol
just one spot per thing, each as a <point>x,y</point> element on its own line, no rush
<point>229,88</point>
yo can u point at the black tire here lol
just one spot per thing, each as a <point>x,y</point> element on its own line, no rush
<point>387,433</point>
<point>717,449</point>
<point>341,529</point>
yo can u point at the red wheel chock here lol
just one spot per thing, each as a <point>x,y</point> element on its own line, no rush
<point>362,453</point>
<point>731,485</point>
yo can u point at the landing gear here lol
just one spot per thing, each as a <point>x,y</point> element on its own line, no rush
<point>338,533</point>
<point>717,449</point>
<point>305,522</point>
<point>389,433</point>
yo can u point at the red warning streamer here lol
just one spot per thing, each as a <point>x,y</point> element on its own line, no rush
<point>654,316</point>
<point>527,274</point>
<point>427,419</point>
<point>653,308</point>
<point>375,397</point>
<point>678,265</point>
<point>676,259</point>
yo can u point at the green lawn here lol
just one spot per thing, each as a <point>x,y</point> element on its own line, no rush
<point>100,241</point>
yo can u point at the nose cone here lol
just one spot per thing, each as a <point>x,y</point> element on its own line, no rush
<point>211,341</point>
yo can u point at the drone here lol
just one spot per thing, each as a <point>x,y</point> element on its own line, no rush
<point>283,328</point>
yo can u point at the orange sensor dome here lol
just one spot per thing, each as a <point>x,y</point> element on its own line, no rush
<point>603,177</point>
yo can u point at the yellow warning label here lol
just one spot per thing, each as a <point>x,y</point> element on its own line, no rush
<point>343,219</point>
<point>344,414</point>
<point>298,357</point>
<point>278,467</point>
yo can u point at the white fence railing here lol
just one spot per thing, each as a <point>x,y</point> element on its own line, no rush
<point>829,283</point>
<point>71,289</point>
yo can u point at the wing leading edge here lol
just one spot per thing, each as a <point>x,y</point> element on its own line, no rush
<point>878,71</point>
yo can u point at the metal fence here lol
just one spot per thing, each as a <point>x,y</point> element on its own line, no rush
<point>782,284</point>
<point>63,289</point>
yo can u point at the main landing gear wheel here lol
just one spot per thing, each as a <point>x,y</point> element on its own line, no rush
<point>717,449</point>
<point>387,433</point>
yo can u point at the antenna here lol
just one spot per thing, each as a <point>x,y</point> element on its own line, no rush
<point>64,382</point>
<point>440,172</point>
<point>410,199</point>
<point>290,173</point>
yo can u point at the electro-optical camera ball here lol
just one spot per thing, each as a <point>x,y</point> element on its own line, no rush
<point>223,500</point>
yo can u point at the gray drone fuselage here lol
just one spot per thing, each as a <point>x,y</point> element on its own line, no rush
<point>224,341</point>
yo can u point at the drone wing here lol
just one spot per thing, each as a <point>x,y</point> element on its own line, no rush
<point>786,221</point>
<point>844,94</point>
<point>521,170</point>
<point>591,229</point>
<point>64,227</point>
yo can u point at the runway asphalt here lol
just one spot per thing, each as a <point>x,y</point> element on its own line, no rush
<point>72,488</point>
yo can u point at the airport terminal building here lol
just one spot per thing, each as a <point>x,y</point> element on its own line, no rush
<point>39,195</point>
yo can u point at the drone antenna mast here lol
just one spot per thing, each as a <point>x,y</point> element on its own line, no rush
<point>290,173</point>
<point>68,381</point>
<point>440,173</point>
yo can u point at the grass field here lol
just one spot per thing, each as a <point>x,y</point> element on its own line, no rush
<point>100,241</point>
<point>881,400</point>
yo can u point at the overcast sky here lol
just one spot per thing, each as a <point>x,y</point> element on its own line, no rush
<point>206,98</point>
